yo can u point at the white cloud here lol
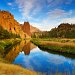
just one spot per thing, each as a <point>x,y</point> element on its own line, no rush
<point>57,3</point>
<point>68,2</point>
<point>29,8</point>
<point>54,3</point>
<point>68,20</point>
<point>42,26</point>
<point>54,18</point>
<point>10,4</point>
<point>58,13</point>
<point>50,19</point>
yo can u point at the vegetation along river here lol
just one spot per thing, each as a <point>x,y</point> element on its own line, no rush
<point>33,58</point>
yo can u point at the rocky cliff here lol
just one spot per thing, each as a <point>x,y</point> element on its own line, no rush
<point>8,22</point>
<point>27,28</point>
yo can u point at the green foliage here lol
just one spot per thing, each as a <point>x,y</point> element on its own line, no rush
<point>33,35</point>
<point>4,34</point>
<point>8,43</point>
<point>64,30</point>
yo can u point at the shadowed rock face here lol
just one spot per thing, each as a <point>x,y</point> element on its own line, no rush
<point>27,28</point>
<point>8,22</point>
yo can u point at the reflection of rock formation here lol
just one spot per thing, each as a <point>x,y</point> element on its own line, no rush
<point>24,42</point>
<point>29,46</point>
<point>25,46</point>
<point>12,54</point>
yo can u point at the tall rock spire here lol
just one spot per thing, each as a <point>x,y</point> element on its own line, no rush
<point>26,28</point>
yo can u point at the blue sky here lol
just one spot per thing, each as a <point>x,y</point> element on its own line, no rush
<point>44,14</point>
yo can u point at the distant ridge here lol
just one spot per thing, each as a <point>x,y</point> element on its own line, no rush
<point>34,29</point>
<point>64,30</point>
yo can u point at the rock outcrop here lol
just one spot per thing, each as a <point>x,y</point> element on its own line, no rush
<point>27,28</point>
<point>8,22</point>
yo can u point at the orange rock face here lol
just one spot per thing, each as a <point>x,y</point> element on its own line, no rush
<point>26,28</point>
<point>8,22</point>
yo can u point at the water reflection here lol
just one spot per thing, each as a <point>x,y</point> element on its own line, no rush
<point>27,47</point>
<point>24,46</point>
<point>31,57</point>
<point>46,63</point>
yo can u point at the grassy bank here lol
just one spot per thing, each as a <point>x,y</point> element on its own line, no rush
<point>58,45</point>
<point>8,69</point>
<point>4,44</point>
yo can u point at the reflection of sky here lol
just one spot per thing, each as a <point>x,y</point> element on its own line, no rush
<point>46,63</point>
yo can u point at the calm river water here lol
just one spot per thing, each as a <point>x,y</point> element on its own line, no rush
<point>33,58</point>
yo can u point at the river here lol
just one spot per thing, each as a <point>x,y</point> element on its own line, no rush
<point>33,58</point>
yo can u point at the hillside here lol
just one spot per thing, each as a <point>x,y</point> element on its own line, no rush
<point>64,30</point>
<point>34,29</point>
<point>8,22</point>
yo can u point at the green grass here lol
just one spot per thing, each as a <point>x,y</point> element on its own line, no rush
<point>62,40</point>
<point>7,43</point>
<point>55,44</point>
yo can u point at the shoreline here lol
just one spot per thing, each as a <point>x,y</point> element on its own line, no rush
<point>47,45</point>
<point>11,69</point>
<point>7,68</point>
